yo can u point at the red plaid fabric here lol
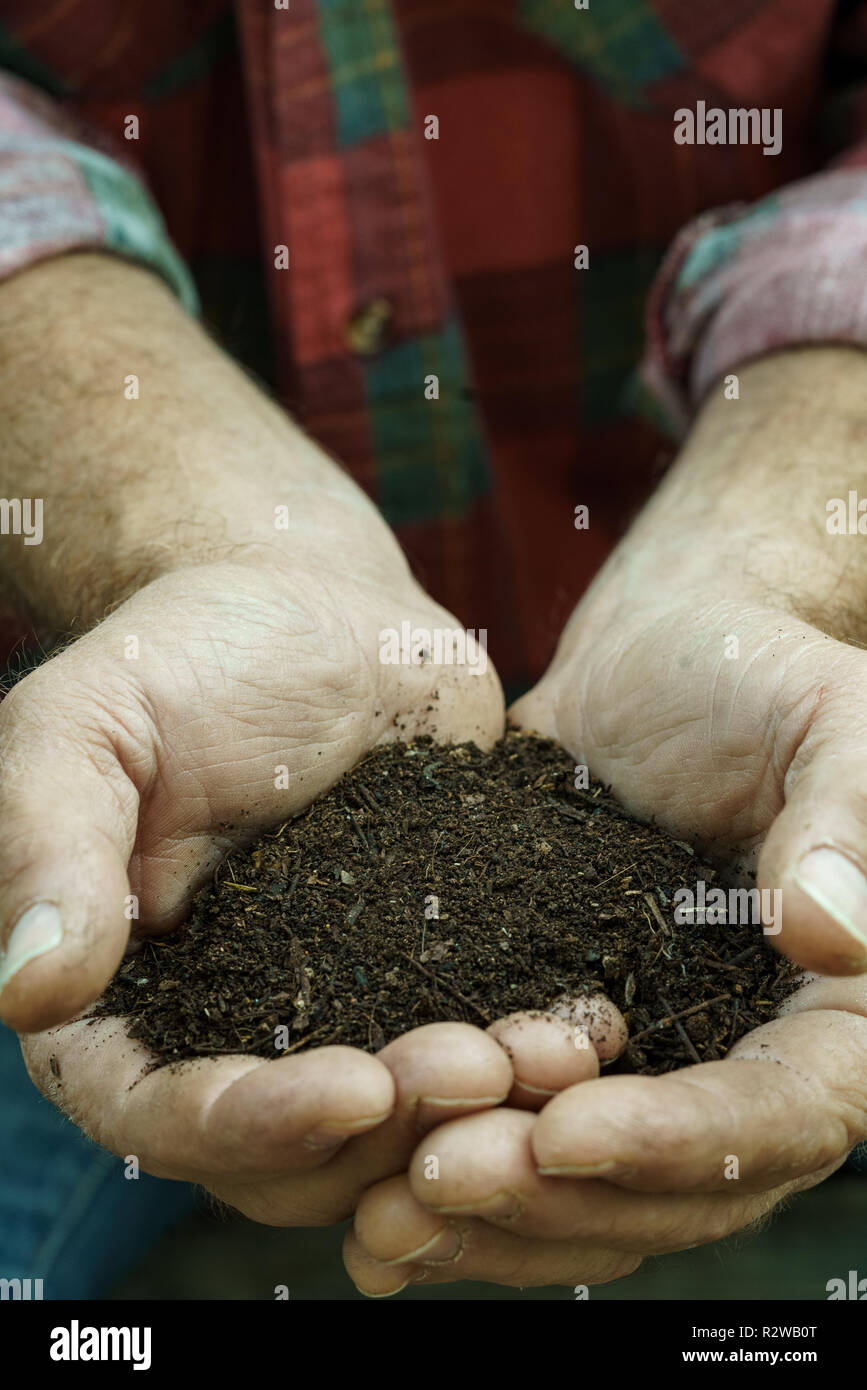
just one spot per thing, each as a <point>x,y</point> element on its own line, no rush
<point>412,257</point>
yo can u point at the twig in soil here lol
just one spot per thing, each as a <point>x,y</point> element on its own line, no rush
<point>734,1022</point>
<point>357,827</point>
<point>568,810</point>
<point>715,963</point>
<point>434,855</point>
<point>681,1031</point>
<point>654,907</point>
<point>303,1041</point>
<point>744,955</point>
<point>368,798</point>
<point>611,877</point>
<point>371,1024</point>
<point>275,835</point>
<point>670,1018</point>
<point>449,989</point>
<point>290,895</point>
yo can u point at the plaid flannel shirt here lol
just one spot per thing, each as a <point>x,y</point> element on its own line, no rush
<point>409,257</point>
<point>304,127</point>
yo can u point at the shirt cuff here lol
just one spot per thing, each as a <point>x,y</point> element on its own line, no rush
<point>743,281</point>
<point>64,188</point>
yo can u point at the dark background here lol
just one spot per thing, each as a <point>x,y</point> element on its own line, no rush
<point>819,1235</point>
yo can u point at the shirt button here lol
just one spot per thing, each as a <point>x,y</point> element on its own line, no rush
<point>367,329</point>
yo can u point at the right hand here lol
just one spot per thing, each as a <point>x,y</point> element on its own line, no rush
<point>123,775</point>
<point>134,776</point>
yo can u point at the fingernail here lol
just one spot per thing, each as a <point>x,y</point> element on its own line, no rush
<point>442,1248</point>
<point>37,930</point>
<point>389,1293</point>
<point>610,1168</point>
<point>329,1136</point>
<point>461,1102</point>
<point>839,888</point>
<point>502,1206</point>
<point>534,1090</point>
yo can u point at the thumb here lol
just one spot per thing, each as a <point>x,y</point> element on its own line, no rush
<point>536,711</point>
<point>68,814</point>
<point>815,852</point>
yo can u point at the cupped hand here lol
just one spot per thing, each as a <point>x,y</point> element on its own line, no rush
<point>289,1142</point>
<point>218,700</point>
<point>734,724</point>
<point>132,775</point>
<point>131,762</point>
<point>706,678</point>
<point>621,1167</point>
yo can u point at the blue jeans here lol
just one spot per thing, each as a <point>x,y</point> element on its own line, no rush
<point>68,1215</point>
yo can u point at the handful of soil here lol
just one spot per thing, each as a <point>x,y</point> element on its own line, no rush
<point>438,883</point>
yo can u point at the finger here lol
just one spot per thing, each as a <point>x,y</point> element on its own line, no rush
<point>559,1047</point>
<point>69,817</point>
<point>395,1241</point>
<point>537,710</point>
<point>240,1116</point>
<point>814,851</point>
<point>453,699</point>
<point>439,1072</point>
<point>789,1099</point>
<point>486,1168</point>
<point>594,1019</point>
<point>547,1055</point>
<point>444,1069</point>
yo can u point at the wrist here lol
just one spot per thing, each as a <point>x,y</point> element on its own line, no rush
<point>745,506</point>
<point>742,515</point>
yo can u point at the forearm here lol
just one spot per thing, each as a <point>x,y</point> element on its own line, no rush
<point>192,470</point>
<point>744,506</point>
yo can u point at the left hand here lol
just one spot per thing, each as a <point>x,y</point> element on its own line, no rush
<point>626,1166</point>
<point>756,745</point>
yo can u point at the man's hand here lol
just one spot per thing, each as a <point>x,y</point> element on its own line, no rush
<point>126,778</point>
<point>133,777</point>
<point>622,1167</point>
<point>756,743</point>
<point>714,674</point>
<point>137,757</point>
<point>233,647</point>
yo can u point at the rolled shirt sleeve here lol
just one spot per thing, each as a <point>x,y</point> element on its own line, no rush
<point>63,188</point>
<point>743,281</point>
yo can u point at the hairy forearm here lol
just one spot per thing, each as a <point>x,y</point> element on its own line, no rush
<point>188,465</point>
<point>745,504</point>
